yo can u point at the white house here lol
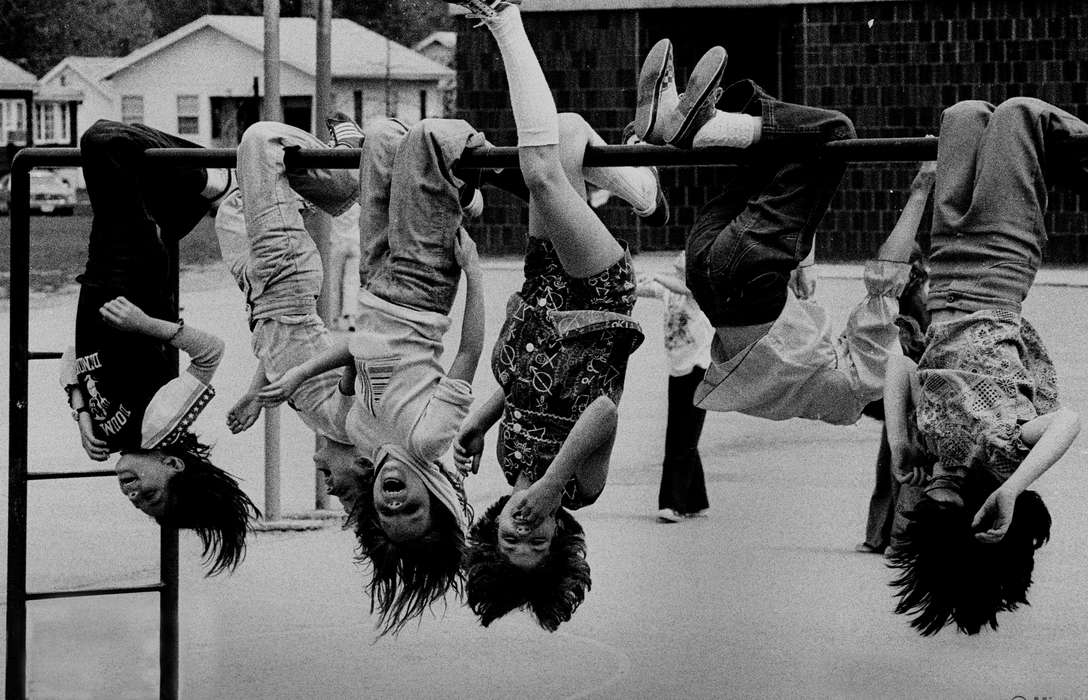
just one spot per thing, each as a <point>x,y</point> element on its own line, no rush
<point>440,47</point>
<point>16,100</point>
<point>200,80</point>
<point>83,74</point>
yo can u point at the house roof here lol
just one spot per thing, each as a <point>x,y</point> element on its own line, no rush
<point>12,77</point>
<point>91,68</point>
<point>447,39</point>
<point>357,52</point>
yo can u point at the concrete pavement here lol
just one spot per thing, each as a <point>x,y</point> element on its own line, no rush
<point>764,598</point>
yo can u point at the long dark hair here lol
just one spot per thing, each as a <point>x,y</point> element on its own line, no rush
<point>551,592</point>
<point>204,498</point>
<point>407,578</point>
<point>947,577</point>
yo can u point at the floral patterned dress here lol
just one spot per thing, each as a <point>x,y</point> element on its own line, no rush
<point>565,342</point>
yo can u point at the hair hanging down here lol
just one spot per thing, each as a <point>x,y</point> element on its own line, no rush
<point>204,498</point>
<point>949,577</point>
<point>407,578</point>
<point>551,592</point>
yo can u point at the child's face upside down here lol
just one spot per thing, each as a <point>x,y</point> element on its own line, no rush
<point>402,502</point>
<point>523,545</point>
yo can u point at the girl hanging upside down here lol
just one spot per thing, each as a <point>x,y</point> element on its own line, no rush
<point>560,359</point>
<point>985,390</point>
<point>409,509</point>
<point>120,374</point>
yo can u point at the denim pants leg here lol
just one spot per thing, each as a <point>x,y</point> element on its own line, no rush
<point>411,262</point>
<point>745,242</point>
<point>993,168</point>
<point>282,254</point>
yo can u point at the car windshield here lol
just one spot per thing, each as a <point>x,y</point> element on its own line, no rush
<point>42,177</point>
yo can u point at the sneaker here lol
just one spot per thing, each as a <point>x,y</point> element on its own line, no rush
<point>704,513</point>
<point>697,104</point>
<point>656,93</point>
<point>866,548</point>
<point>343,131</point>
<point>668,515</point>
<point>482,9</point>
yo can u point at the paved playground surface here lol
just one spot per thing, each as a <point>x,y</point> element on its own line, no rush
<point>764,598</point>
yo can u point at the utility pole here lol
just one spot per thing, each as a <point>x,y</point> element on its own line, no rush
<point>271,108</point>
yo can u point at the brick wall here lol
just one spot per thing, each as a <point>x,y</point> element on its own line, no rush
<point>892,79</point>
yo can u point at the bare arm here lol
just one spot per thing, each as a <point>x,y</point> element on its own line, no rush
<point>899,395</point>
<point>205,350</point>
<point>1050,436</point>
<point>464,363</point>
<point>247,409</point>
<point>900,241</point>
<point>278,391</point>
<point>469,445</point>
<point>585,454</point>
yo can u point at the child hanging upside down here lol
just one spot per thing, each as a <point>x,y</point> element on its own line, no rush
<point>985,391</point>
<point>560,359</point>
<point>410,516</point>
<point>263,235</point>
<point>774,354</point>
<point>119,375</point>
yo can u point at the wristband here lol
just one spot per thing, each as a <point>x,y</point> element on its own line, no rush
<point>77,411</point>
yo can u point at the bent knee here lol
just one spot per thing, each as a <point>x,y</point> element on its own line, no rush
<point>384,129</point>
<point>966,110</point>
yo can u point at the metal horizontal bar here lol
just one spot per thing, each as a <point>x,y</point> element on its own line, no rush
<point>41,476</point>
<point>32,355</point>
<point>86,592</point>
<point>853,150</point>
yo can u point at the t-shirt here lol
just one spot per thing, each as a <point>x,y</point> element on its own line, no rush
<point>404,395</point>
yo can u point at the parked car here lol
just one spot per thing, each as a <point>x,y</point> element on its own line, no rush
<point>49,193</point>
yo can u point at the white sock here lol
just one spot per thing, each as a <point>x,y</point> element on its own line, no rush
<point>730,129</point>
<point>636,186</point>
<point>530,97</point>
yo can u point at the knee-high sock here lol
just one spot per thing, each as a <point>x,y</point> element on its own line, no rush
<point>636,186</point>
<point>729,129</point>
<point>530,97</point>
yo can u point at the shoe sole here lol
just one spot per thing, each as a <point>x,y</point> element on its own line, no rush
<point>715,55</point>
<point>652,75</point>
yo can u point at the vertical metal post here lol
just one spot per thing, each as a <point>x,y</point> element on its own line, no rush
<point>272,463</point>
<point>272,109</point>
<point>168,554</point>
<point>323,67</point>
<point>15,683</point>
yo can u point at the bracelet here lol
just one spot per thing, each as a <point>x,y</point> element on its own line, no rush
<point>181,325</point>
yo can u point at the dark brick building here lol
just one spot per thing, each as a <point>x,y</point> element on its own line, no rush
<point>891,65</point>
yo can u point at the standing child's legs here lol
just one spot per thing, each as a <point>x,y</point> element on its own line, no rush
<point>683,486</point>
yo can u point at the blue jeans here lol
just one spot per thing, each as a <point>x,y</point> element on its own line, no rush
<point>411,212</point>
<point>993,167</point>
<point>746,241</point>
<point>264,238</point>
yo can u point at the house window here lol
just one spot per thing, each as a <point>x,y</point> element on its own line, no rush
<point>51,122</point>
<point>358,97</point>
<point>132,109</point>
<point>422,104</point>
<point>12,122</point>
<point>188,114</point>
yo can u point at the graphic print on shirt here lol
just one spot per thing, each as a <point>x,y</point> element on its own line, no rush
<point>375,373</point>
<point>678,330</point>
<point>99,404</point>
